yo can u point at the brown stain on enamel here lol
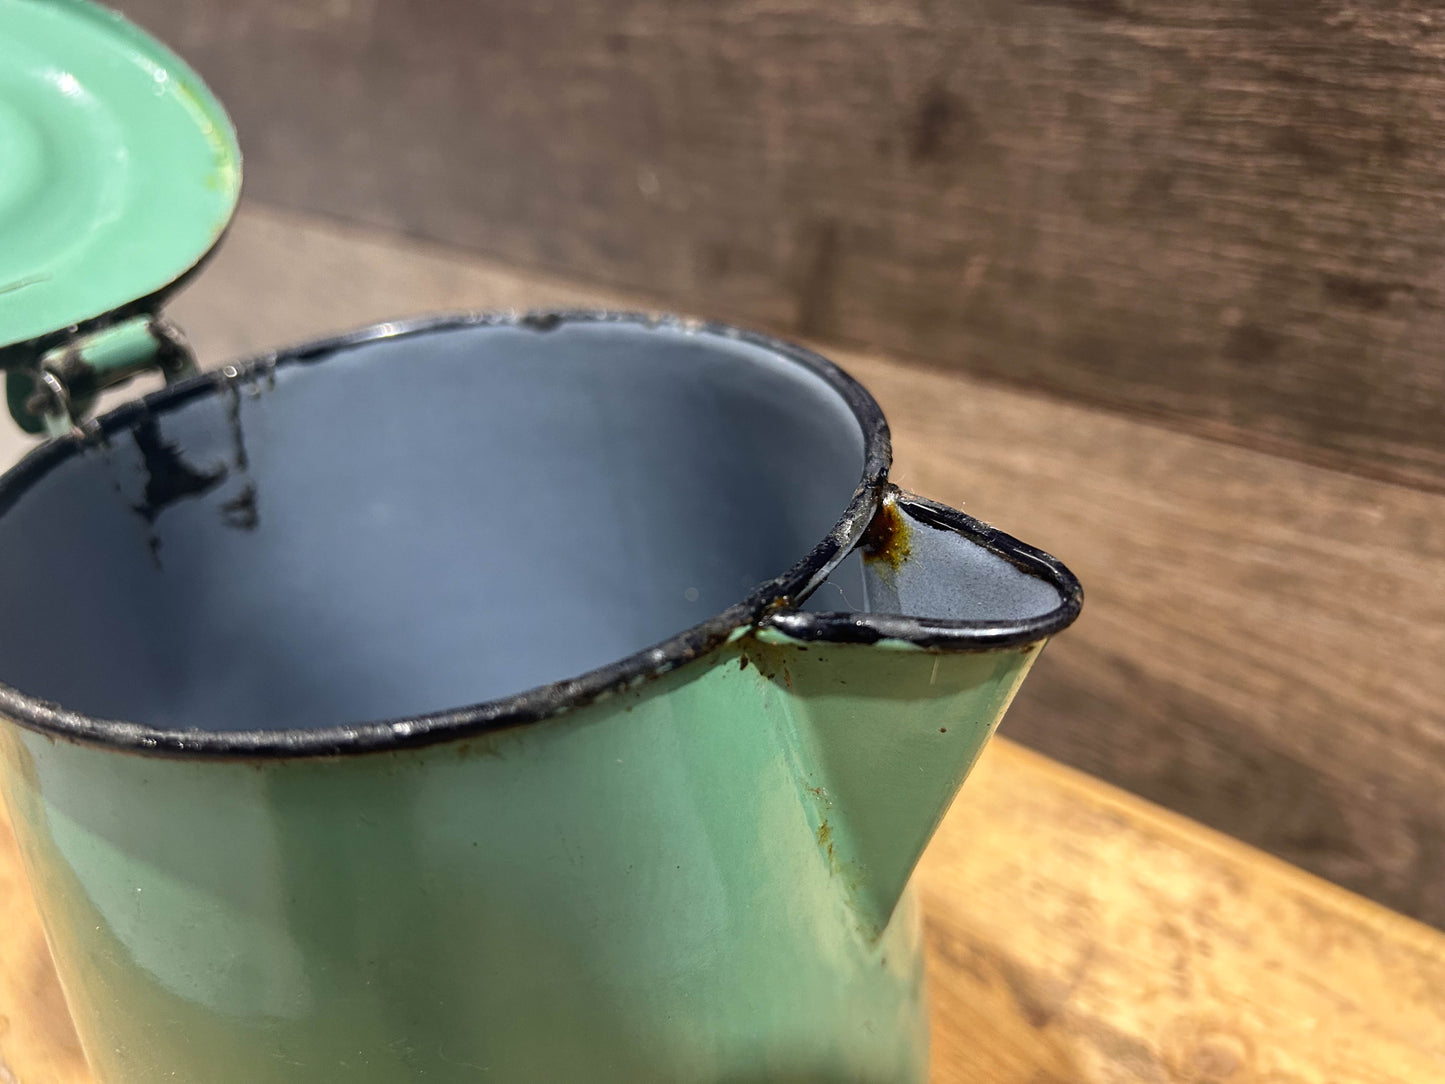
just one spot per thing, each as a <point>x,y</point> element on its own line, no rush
<point>825,841</point>
<point>887,540</point>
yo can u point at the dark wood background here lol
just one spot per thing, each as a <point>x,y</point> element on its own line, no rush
<point>1226,220</point>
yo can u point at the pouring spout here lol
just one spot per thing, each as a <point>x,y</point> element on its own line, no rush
<point>885,738</point>
<point>890,710</point>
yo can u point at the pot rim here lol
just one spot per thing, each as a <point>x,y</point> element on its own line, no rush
<point>770,599</point>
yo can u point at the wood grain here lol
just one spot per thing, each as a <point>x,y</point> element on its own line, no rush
<point>1263,641</point>
<point>1076,935</point>
<point>1228,214</point>
<point>37,1041</point>
<point>1081,936</point>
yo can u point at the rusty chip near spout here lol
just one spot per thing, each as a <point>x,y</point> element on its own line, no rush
<point>887,540</point>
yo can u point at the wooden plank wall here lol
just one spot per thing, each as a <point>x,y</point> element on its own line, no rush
<point>1229,214</point>
<point>1221,220</point>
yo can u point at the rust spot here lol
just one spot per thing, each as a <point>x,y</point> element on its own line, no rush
<point>943,730</point>
<point>825,840</point>
<point>787,677</point>
<point>484,746</point>
<point>886,541</point>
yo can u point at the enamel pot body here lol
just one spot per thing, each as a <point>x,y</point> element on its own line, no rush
<point>565,697</point>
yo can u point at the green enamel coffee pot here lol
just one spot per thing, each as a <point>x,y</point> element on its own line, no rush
<point>560,697</point>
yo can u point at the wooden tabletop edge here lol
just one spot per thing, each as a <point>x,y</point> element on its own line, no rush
<point>1225,849</point>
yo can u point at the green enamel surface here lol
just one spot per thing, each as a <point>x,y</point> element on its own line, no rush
<point>887,733</point>
<point>118,168</point>
<point>702,879</point>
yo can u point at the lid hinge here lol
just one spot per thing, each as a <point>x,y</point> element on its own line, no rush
<point>54,395</point>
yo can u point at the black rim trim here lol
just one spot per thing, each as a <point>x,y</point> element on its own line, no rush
<point>530,705</point>
<point>946,635</point>
<point>767,607</point>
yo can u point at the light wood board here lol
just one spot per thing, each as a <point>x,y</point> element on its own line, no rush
<point>1082,936</point>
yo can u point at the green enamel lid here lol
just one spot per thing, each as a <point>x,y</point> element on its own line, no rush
<point>118,172</point>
